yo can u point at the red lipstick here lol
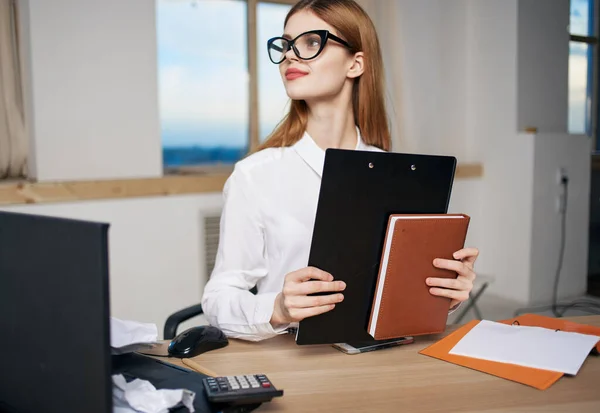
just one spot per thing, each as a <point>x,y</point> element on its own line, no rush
<point>292,73</point>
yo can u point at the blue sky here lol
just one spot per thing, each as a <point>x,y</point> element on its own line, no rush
<point>579,17</point>
<point>203,77</point>
<point>578,67</point>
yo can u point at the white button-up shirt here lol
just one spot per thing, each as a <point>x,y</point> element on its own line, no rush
<point>270,202</point>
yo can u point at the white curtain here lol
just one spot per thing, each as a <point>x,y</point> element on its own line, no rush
<point>13,136</point>
<point>385,16</point>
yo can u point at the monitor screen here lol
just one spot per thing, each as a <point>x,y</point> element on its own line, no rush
<point>54,315</point>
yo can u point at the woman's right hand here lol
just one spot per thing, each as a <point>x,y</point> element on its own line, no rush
<point>293,303</point>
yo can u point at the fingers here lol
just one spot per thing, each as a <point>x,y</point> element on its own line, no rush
<point>459,283</point>
<point>309,273</point>
<point>458,266</point>
<point>311,287</point>
<point>303,301</point>
<point>299,314</point>
<point>467,255</point>
<point>297,302</point>
<point>458,295</point>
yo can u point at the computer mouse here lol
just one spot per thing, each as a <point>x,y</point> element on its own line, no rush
<point>197,340</point>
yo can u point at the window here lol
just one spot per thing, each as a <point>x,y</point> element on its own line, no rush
<point>581,67</point>
<point>219,93</point>
<point>272,99</point>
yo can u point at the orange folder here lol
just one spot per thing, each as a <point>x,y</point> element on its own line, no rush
<point>535,320</point>
<point>538,378</point>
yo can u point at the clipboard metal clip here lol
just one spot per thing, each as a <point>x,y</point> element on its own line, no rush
<point>516,323</point>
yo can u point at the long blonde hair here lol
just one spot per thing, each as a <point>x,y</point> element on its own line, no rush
<point>368,103</point>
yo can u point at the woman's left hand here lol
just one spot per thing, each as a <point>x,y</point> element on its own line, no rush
<point>458,288</point>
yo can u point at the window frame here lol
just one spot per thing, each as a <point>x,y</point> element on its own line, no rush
<point>253,108</point>
<point>593,82</point>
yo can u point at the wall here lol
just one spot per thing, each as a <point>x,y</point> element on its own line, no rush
<point>542,47</point>
<point>518,77</point>
<point>543,103</point>
<point>424,52</point>
<point>92,93</point>
<point>491,70</point>
<point>475,74</point>
<point>554,151</point>
<point>155,246</point>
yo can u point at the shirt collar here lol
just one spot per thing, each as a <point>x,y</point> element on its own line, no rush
<point>314,156</point>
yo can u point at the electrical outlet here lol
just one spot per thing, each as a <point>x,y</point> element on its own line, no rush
<point>560,174</point>
<point>561,178</point>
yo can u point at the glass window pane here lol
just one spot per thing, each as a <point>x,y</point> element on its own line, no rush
<point>579,95</point>
<point>580,21</point>
<point>203,81</point>
<point>273,102</point>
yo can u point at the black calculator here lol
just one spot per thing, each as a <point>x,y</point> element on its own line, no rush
<point>247,389</point>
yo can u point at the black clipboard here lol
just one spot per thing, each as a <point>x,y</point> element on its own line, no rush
<point>359,190</point>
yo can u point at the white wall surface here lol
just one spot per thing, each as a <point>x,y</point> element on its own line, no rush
<point>475,74</point>
<point>491,72</point>
<point>571,152</point>
<point>424,50</point>
<point>156,250</point>
<point>542,64</point>
<point>93,93</point>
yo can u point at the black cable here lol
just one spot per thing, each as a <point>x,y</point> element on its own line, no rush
<point>563,236</point>
<point>560,309</point>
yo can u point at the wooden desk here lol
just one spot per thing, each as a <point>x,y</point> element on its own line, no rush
<point>323,379</point>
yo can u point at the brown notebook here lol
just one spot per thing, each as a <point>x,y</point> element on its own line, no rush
<point>402,304</point>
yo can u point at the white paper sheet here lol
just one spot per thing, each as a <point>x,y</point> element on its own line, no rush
<point>536,347</point>
<point>128,336</point>
<point>140,396</point>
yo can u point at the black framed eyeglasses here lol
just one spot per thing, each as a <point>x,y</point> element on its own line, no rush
<point>306,46</point>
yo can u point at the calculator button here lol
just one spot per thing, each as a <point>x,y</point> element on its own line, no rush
<point>266,384</point>
<point>235,386</point>
<point>254,385</point>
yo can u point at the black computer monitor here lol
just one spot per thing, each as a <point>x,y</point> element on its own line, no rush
<point>54,315</point>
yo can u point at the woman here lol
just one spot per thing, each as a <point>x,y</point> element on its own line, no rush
<point>332,70</point>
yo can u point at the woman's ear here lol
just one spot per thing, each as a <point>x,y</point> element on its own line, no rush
<point>358,65</point>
